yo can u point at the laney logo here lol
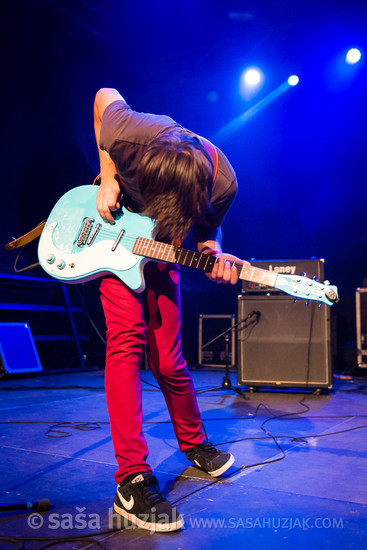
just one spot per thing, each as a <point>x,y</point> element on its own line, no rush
<point>290,269</point>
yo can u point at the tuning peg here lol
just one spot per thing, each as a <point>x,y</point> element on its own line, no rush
<point>295,300</point>
<point>307,303</point>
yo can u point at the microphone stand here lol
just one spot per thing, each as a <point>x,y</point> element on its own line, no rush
<point>226,383</point>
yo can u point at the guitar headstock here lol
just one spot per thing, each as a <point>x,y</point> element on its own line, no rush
<point>307,289</point>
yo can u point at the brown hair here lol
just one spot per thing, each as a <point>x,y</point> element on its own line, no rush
<point>175,176</point>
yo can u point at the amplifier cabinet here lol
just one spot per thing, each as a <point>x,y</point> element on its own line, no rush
<point>312,267</point>
<point>283,344</point>
<point>212,347</point>
<point>361,327</point>
<point>18,352</point>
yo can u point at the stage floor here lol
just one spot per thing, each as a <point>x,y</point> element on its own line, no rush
<point>298,481</point>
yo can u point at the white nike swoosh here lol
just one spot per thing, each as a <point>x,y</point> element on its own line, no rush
<point>128,504</point>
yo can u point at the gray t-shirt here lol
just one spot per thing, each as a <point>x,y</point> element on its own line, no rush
<point>125,135</point>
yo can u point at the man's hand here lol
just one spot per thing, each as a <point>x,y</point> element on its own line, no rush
<point>224,271</point>
<point>108,198</point>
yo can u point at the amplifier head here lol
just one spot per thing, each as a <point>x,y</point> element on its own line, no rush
<point>312,268</point>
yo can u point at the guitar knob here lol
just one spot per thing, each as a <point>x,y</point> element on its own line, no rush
<point>50,258</point>
<point>319,305</point>
<point>60,264</point>
<point>315,278</point>
<point>303,274</point>
<point>295,300</point>
<point>307,303</point>
<point>326,283</point>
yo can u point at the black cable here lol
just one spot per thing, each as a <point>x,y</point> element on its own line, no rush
<point>76,537</point>
<point>73,539</point>
<point>74,387</point>
<point>26,388</point>
<point>79,426</point>
<point>150,384</point>
<point>286,416</point>
<point>102,388</point>
<point>15,542</point>
<point>31,266</point>
<point>87,426</point>
<point>309,344</point>
<point>209,484</point>
<point>87,312</point>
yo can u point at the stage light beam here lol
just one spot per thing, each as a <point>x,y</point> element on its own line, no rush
<point>231,127</point>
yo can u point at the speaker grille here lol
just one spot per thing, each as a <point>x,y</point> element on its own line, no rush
<point>289,345</point>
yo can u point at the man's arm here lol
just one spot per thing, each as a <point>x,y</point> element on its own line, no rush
<point>109,192</point>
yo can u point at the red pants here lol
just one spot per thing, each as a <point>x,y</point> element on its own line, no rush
<point>134,321</point>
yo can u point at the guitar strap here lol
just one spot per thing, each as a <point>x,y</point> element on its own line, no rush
<point>36,232</point>
<point>27,238</point>
<point>212,150</point>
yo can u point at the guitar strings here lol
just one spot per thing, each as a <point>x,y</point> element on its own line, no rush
<point>165,249</point>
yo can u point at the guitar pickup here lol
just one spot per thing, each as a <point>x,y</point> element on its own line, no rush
<point>84,231</point>
<point>94,234</point>
<point>118,239</point>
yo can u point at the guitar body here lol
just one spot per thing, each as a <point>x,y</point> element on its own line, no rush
<point>68,251</point>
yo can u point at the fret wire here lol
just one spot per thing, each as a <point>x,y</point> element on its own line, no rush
<point>160,252</point>
<point>151,248</point>
<point>137,245</point>
<point>171,254</point>
<point>184,261</point>
<point>178,259</point>
<point>207,260</point>
<point>199,261</point>
<point>165,251</point>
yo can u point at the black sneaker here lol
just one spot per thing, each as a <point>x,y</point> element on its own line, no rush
<point>210,459</point>
<point>141,502</point>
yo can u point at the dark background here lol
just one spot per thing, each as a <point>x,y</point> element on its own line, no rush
<point>300,161</point>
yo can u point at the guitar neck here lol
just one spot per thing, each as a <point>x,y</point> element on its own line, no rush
<point>170,253</point>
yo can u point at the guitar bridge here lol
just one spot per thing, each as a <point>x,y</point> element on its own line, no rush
<point>84,232</point>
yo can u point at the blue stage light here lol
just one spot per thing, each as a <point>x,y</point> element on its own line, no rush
<point>251,82</point>
<point>252,77</point>
<point>353,56</point>
<point>293,80</point>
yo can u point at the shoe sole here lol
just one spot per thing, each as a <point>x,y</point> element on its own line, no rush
<point>221,470</point>
<point>159,527</point>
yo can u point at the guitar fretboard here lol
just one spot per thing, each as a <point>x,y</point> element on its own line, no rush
<point>170,253</point>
